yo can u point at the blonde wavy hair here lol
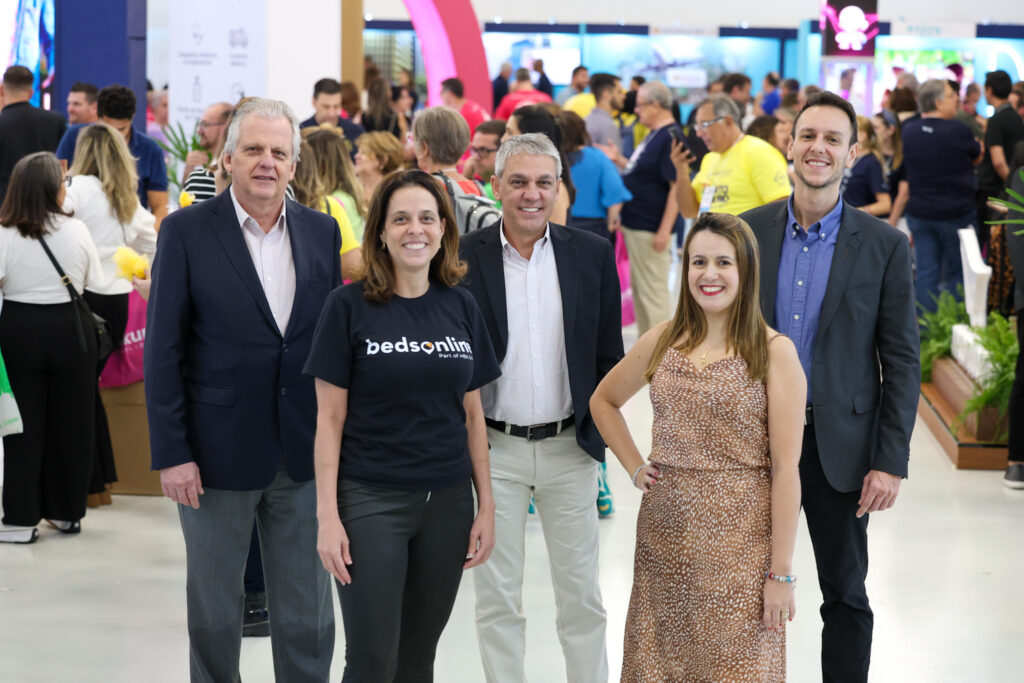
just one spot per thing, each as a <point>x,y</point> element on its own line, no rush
<point>101,151</point>
<point>332,163</point>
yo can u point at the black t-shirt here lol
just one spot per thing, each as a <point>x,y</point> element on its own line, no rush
<point>407,365</point>
<point>938,156</point>
<point>1005,129</point>
<point>862,183</point>
<point>649,176</point>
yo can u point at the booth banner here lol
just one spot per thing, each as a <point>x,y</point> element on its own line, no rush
<point>930,29</point>
<point>217,54</point>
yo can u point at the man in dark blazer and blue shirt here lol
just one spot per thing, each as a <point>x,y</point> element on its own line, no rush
<point>238,285</point>
<point>550,298</point>
<point>838,282</point>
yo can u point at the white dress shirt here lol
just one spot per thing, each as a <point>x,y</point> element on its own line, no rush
<point>90,205</point>
<point>271,253</point>
<point>26,273</point>
<point>534,383</point>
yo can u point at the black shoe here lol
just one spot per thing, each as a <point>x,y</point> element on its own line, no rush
<point>1014,477</point>
<point>255,618</point>
<point>74,527</point>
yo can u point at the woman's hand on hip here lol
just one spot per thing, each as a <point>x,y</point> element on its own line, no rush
<point>332,545</point>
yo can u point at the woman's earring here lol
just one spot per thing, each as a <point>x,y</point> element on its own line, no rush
<point>383,245</point>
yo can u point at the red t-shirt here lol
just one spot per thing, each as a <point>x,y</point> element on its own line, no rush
<point>519,98</point>
<point>474,115</point>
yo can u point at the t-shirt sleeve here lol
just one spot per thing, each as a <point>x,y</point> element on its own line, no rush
<point>769,174</point>
<point>485,364</point>
<point>874,177</point>
<point>66,148</point>
<point>613,190</point>
<point>995,134</point>
<point>330,357</point>
<point>157,180</point>
<point>701,177</point>
<point>348,237</point>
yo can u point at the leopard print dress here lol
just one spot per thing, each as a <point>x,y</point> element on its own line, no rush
<point>703,538</point>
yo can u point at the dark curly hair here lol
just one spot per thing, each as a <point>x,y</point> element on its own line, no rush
<point>116,102</point>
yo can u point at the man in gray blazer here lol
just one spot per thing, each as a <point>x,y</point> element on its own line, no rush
<point>838,282</point>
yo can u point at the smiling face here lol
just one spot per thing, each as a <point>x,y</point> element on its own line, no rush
<point>527,190</point>
<point>712,274</point>
<point>821,147</point>
<point>412,229</point>
<point>262,163</point>
<point>79,108</point>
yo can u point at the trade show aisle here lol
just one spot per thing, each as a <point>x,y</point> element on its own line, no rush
<point>109,605</point>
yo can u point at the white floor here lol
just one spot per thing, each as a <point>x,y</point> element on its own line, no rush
<point>945,582</point>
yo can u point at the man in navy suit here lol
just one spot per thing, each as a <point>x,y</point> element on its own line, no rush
<point>238,284</point>
<point>838,282</point>
<point>550,298</point>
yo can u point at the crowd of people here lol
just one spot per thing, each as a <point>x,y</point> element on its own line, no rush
<point>378,339</point>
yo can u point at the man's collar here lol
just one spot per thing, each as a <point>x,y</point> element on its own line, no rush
<point>243,215</point>
<point>828,224</point>
<point>505,243</point>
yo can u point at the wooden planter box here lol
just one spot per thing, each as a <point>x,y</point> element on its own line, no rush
<point>970,446</point>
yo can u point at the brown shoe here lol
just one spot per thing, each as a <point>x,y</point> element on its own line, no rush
<point>93,501</point>
<point>105,498</point>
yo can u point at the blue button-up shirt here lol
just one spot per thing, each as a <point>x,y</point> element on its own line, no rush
<point>149,160</point>
<point>804,266</point>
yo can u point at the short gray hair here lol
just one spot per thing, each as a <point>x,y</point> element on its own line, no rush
<point>657,93</point>
<point>723,105</point>
<point>268,109</point>
<point>533,144</point>
<point>929,94</point>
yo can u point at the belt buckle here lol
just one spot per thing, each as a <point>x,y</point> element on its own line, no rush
<point>536,432</point>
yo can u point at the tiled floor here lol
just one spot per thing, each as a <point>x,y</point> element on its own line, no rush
<point>946,585</point>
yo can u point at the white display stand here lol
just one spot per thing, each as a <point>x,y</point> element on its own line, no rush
<point>976,277</point>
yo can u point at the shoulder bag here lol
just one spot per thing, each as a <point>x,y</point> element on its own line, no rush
<point>104,343</point>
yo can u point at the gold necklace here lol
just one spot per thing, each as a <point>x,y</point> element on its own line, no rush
<point>704,360</point>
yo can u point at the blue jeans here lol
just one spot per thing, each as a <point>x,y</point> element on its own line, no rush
<point>937,256</point>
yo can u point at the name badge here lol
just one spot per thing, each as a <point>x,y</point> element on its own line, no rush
<point>706,198</point>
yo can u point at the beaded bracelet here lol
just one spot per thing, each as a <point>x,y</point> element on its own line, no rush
<point>637,471</point>
<point>780,578</point>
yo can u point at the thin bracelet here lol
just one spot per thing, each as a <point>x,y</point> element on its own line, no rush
<point>637,471</point>
<point>780,578</point>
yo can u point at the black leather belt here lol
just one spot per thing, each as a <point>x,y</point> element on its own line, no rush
<point>808,416</point>
<point>533,432</point>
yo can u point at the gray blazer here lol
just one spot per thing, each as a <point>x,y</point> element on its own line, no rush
<point>866,373</point>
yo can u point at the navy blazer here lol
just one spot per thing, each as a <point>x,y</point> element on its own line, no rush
<point>866,372</point>
<point>591,310</point>
<point>224,388</point>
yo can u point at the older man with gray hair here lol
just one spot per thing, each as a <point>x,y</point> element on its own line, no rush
<point>739,173</point>
<point>550,298</point>
<point>238,284</point>
<point>652,216</point>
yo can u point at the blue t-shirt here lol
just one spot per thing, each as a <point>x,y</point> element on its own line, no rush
<point>938,156</point>
<point>863,182</point>
<point>149,160</point>
<point>407,365</point>
<point>770,102</point>
<point>648,177</point>
<point>598,184</point>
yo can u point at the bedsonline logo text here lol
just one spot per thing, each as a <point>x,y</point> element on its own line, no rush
<point>448,348</point>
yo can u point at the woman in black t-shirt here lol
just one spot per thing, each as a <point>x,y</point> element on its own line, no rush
<point>864,185</point>
<point>399,358</point>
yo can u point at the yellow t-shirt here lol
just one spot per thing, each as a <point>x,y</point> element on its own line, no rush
<point>580,104</point>
<point>332,208</point>
<point>751,173</point>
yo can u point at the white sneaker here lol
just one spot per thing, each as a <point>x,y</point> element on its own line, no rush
<point>18,534</point>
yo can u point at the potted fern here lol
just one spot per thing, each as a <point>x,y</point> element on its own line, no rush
<point>988,407</point>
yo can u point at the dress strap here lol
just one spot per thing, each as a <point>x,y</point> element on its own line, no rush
<point>775,336</point>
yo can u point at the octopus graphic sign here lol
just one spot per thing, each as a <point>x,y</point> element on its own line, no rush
<point>848,29</point>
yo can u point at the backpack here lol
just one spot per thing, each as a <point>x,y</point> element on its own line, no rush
<point>472,212</point>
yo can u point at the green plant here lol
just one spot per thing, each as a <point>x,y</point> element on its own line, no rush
<point>994,388</point>
<point>937,329</point>
<point>1011,206</point>
<point>179,144</point>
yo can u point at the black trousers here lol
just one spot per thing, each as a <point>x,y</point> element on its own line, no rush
<point>46,468</point>
<point>1016,411</point>
<point>407,554</point>
<point>114,309</point>
<point>840,542</point>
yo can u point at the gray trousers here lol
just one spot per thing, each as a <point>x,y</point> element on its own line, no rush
<point>217,537</point>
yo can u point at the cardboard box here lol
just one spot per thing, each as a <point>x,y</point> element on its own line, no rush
<point>129,434</point>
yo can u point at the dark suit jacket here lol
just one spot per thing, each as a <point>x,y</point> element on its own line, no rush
<point>591,310</point>
<point>866,375</point>
<point>224,387</point>
<point>25,129</point>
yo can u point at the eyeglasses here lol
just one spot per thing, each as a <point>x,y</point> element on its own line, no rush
<point>640,104</point>
<point>483,151</point>
<point>67,180</point>
<point>704,125</point>
<point>205,124</point>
